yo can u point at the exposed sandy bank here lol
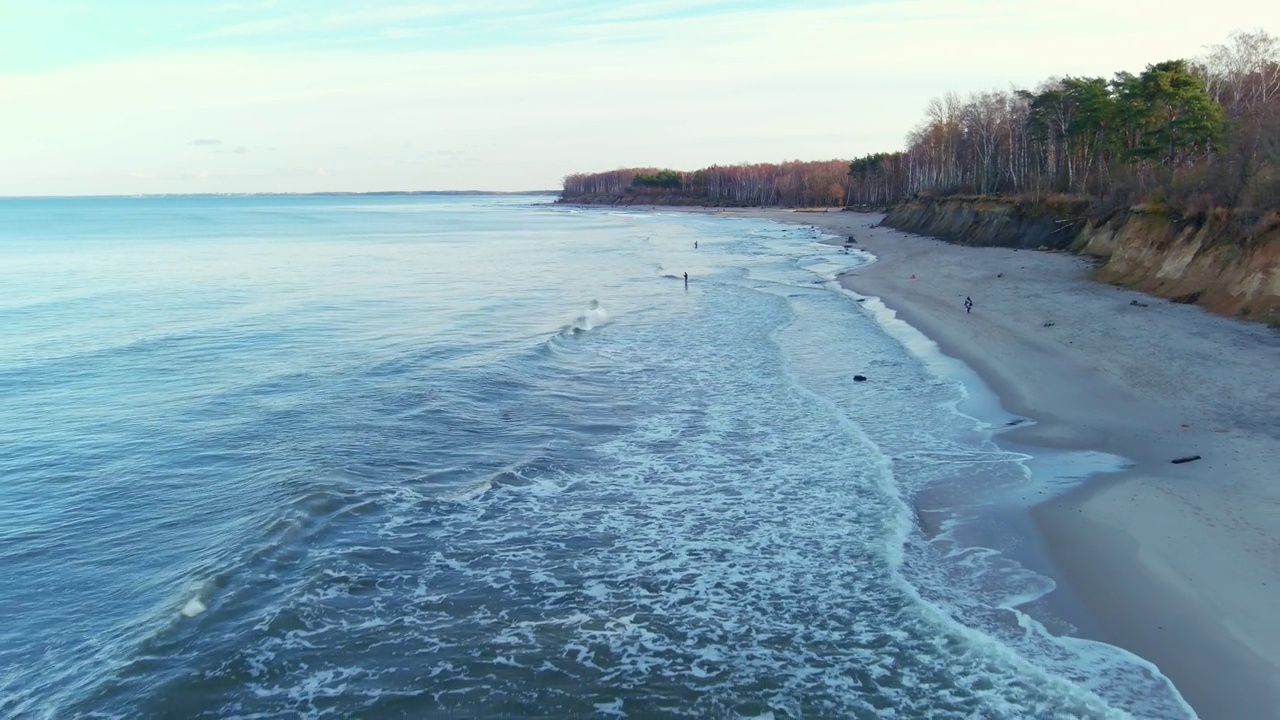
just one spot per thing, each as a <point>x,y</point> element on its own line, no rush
<point>1179,563</point>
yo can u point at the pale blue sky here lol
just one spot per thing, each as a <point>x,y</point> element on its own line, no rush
<point>143,96</point>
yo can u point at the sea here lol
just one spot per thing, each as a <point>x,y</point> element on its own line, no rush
<point>466,456</point>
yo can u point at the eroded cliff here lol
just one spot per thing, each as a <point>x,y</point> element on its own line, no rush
<point>1227,261</point>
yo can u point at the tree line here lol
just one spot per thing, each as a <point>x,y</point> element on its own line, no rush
<point>786,184</point>
<point>1192,134</point>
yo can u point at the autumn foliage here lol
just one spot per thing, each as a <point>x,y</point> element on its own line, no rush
<point>1186,135</point>
<point>1189,135</point>
<point>788,184</point>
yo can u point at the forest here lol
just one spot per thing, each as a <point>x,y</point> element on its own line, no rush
<point>1186,134</point>
<point>789,184</point>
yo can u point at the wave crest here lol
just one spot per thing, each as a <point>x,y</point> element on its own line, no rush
<point>595,316</point>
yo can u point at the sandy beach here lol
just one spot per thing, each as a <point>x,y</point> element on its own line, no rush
<point>1176,562</point>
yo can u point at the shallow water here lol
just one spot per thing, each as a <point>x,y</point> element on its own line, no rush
<point>487,457</point>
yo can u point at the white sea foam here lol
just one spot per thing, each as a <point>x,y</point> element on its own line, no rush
<point>193,607</point>
<point>611,708</point>
<point>1097,669</point>
<point>716,523</point>
<point>593,317</point>
<point>466,492</point>
<point>596,315</point>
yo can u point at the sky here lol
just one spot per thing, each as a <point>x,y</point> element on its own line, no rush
<point>183,96</point>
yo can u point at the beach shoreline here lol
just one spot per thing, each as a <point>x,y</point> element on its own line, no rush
<point>1178,563</point>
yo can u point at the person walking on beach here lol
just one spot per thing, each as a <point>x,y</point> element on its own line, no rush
<point>968,303</point>
<point>695,244</point>
<point>686,279</point>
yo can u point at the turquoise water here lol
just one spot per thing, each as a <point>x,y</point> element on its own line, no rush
<point>488,457</point>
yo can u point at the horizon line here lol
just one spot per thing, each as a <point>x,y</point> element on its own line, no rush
<point>290,194</point>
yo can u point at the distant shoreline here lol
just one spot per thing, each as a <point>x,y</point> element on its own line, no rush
<point>326,193</point>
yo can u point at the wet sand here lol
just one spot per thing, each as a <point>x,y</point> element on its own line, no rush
<point>1178,563</point>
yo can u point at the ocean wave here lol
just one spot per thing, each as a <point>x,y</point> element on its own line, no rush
<point>593,317</point>
<point>430,502</point>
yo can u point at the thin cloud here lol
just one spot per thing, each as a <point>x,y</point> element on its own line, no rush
<point>472,21</point>
<point>309,23</point>
<point>815,83</point>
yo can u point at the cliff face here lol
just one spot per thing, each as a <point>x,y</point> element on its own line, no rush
<point>992,221</point>
<point>1210,260</point>
<point>1227,263</point>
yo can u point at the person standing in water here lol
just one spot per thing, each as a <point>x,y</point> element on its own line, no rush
<point>695,244</point>
<point>968,303</point>
<point>686,279</point>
